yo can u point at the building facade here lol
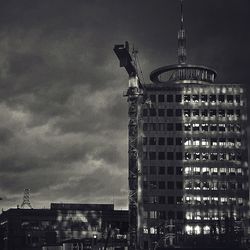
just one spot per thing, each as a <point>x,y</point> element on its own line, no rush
<point>64,225</point>
<point>193,156</point>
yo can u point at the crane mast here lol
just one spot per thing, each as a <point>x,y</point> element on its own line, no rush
<point>134,95</point>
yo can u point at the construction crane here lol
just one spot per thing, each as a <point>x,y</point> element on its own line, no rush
<point>134,96</point>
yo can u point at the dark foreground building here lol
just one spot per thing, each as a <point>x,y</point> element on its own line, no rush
<point>93,225</point>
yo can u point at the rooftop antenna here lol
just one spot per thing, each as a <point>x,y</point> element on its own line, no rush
<point>182,52</point>
<point>26,198</point>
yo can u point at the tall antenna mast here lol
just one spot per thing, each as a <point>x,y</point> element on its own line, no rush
<point>182,52</point>
<point>26,198</point>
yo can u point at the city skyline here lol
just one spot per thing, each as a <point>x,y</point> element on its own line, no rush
<point>64,120</point>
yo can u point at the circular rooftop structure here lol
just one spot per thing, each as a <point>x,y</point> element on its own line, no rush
<point>183,73</point>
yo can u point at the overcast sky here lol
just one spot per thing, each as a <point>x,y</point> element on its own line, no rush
<point>63,130</point>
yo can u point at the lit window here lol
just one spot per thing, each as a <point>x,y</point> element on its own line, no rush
<point>197,185</point>
<point>204,142</point>
<point>205,171</point>
<point>206,200</point>
<point>214,185</point>
<point>222,156</point>
<point>222,127</point>
<point>195,112</point>
<point>187,156</point>
<point>189,215</point>
<point>197,171</point>
<point>188,199</point>
<point>205,185</point>
<point>188,142</point>
<point>197,229</point>
<point>187,112</point>
<point>196,156</point>
<point>196,127</point>
<point>186,98</point>
<point>196,142</point>
<point>188,185</point>
<point>189,229</point>
<point>238,143</point>
<point>240,201</point>
<point>215,200</point>
<point>187,170</point>
<point>239,171</point>
<point>197,200</point>
<point>213,127</point>
<point>213,141</point>
<point>195,98</point>
<point>222,142</point>
<point>223,171</point>
<point>204,127</point>
<point>214,171</point>
<point>223,200</point>
<point>187,127</point>
<point>232,171</point>
<point>232,157</point>
<point>203,98</point>
<point>204,156</point>
<point>206,230</point>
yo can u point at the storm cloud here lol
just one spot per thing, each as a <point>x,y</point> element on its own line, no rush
<point>63,130</point>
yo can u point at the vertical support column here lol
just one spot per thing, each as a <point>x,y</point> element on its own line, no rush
<point>134,101</point>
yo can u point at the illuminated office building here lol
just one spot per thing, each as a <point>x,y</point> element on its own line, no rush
<point>193,152</point>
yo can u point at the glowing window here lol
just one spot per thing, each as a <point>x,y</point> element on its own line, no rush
<point>223,200</point>
<point>205,200</point>
<point>197,185</point>
<point>197,200</point>
<point>197,170</point>
<point>204,156</point>
<point>189,215</point>
<point>222,127</point>
<point>206,230</point>
<point>188,185</point>
<point>204,127</point>
<point>196,127</point>
<point>205,171</point>
<point>189,229</point>
<point>187,127</point>
<point>214,171</point>
<point>203,98</point>
<point>187,156</point>
<point>205,185</point>
<point>187,112</point>
<point>222,142</point>
<point>222,156</point>
<point>188,142</point>
<point>213,156</point>
<point>197,229</point>
<point>196,141</point>
<point>223,171</point>
<point>187,170</point>
<point>213,141</point>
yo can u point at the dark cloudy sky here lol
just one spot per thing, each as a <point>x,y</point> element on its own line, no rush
<point>63,130</point>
